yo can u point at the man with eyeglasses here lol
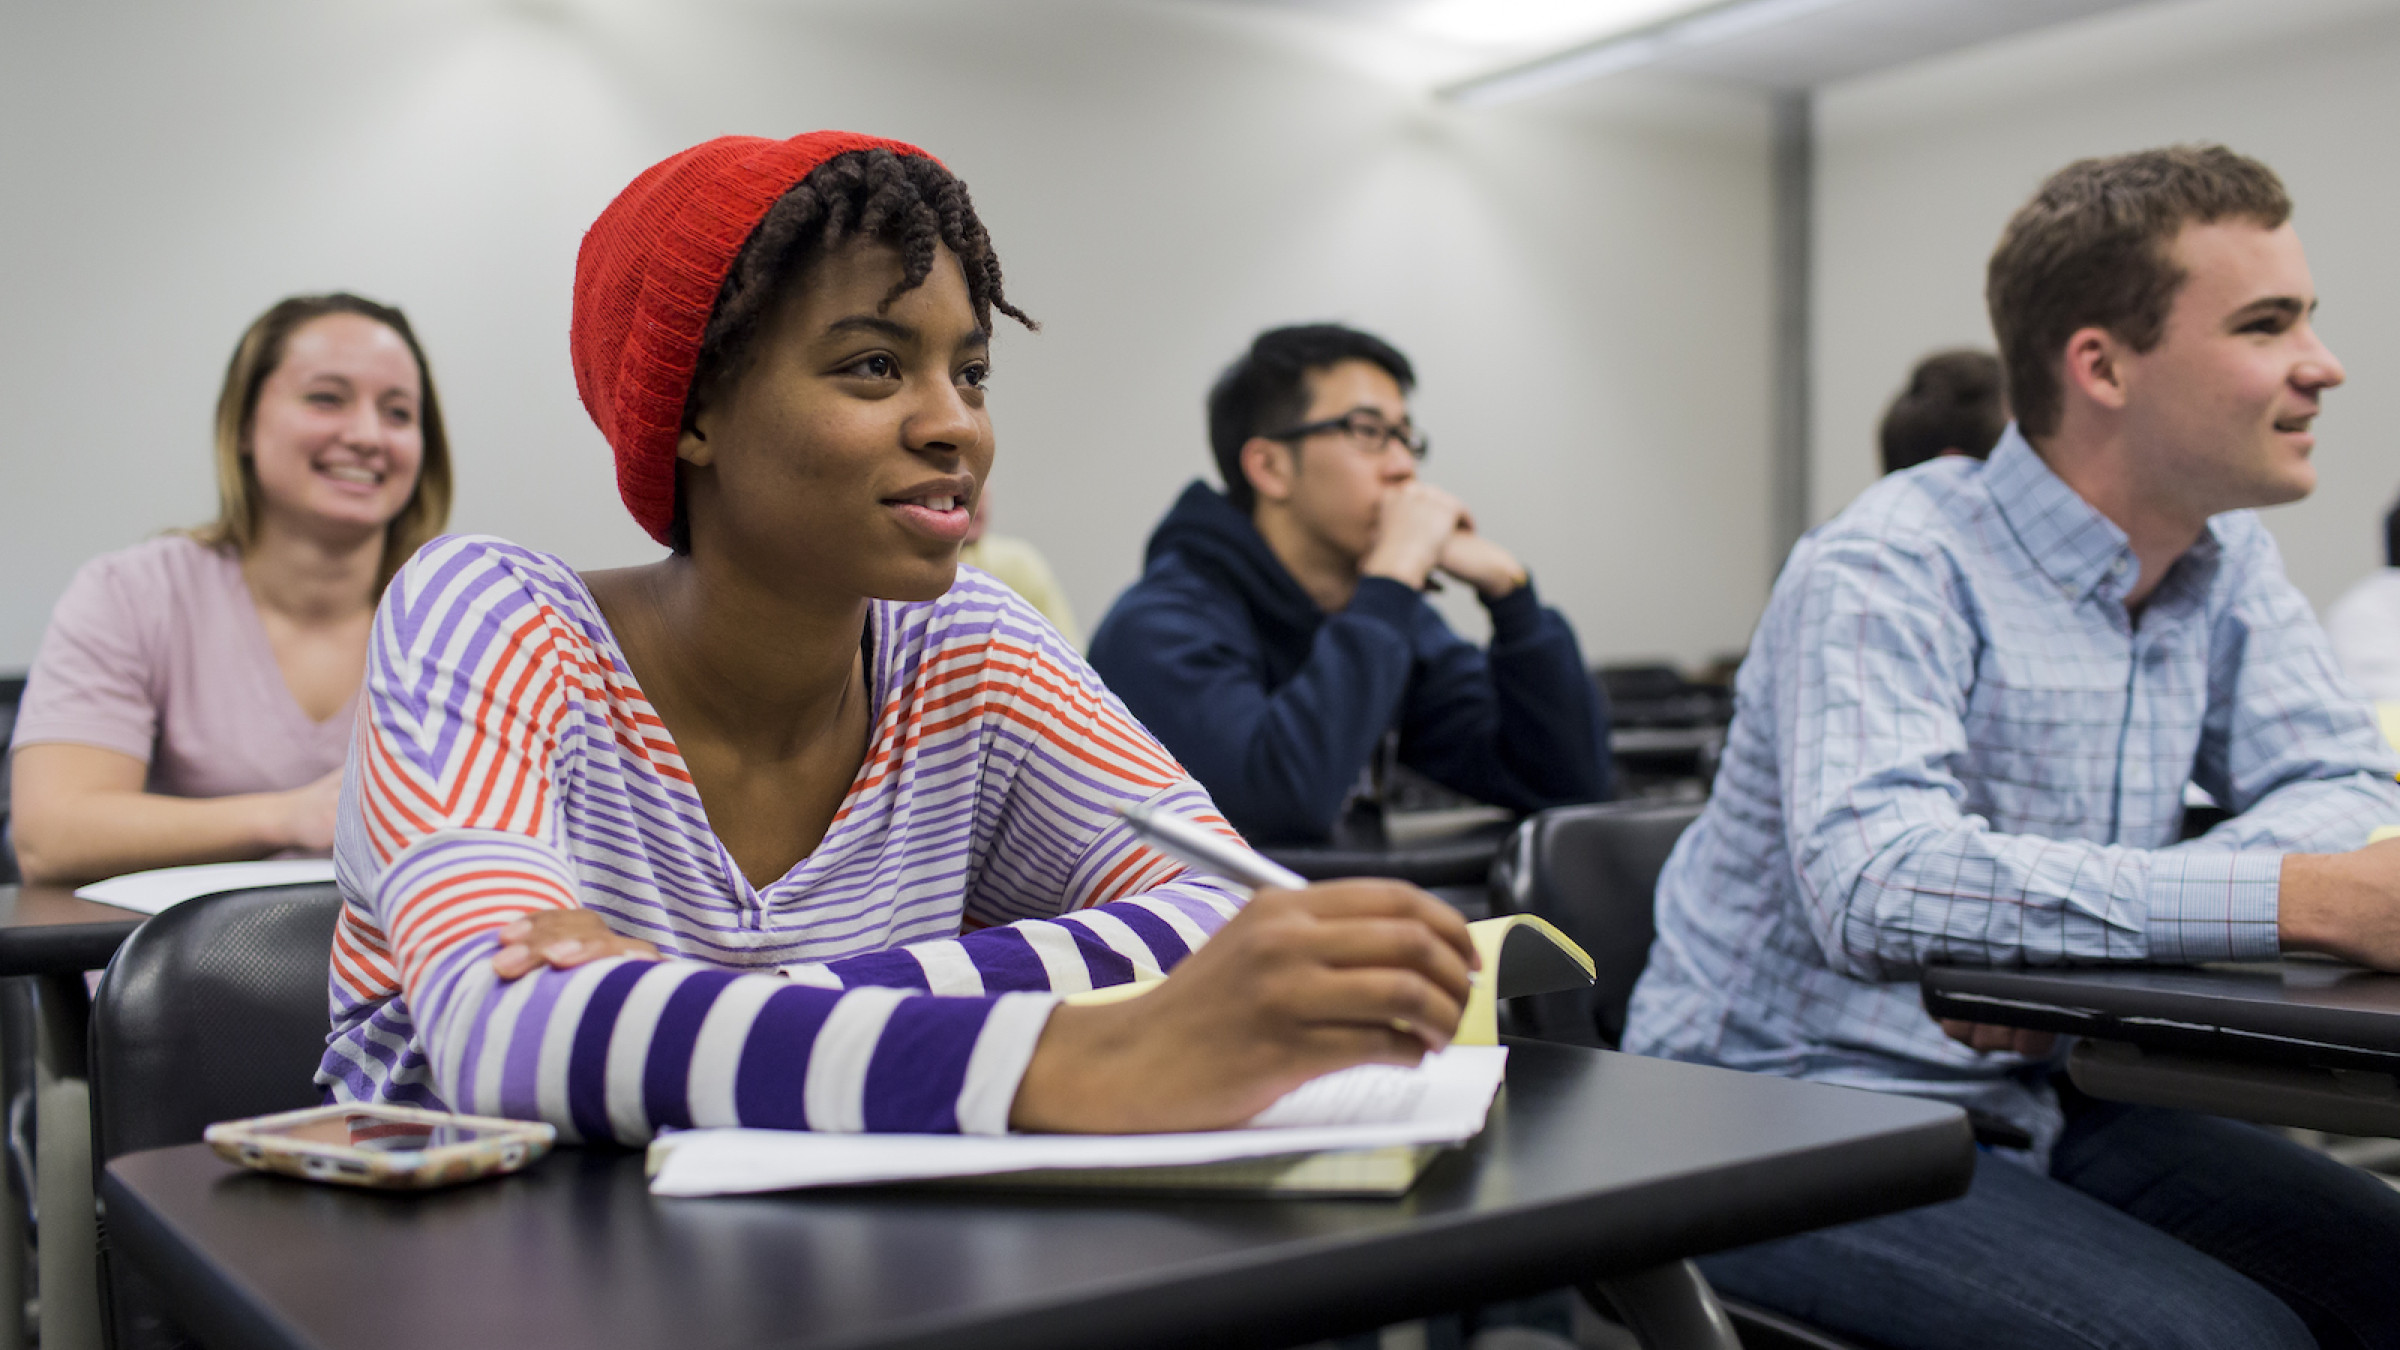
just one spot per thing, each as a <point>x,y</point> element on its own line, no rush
<point>1279,641</point>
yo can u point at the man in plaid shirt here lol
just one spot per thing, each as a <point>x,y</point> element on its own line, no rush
<point>1963,734</point>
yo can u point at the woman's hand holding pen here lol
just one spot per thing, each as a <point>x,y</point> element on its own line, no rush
<point>1299,984</point>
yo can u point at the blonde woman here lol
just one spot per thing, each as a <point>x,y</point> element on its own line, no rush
<point>193,697</point>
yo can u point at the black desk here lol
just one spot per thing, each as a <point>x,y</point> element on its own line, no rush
<point>48,939</point>
<point>45,930</point>
<point>1594,1164</point>
<point>2301,1042</point>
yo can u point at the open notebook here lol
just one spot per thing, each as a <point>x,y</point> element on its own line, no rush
<point>1370,1130</point>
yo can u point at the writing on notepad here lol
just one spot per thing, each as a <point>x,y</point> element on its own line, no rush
<point>1368,1094</point>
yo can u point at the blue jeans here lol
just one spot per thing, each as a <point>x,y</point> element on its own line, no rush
<point>2155,1228</point>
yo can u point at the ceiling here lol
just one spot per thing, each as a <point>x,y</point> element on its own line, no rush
<point>1774,44</point>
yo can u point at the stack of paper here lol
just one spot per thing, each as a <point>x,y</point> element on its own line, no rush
<point>1348,1125</point>
<point>153,891</point>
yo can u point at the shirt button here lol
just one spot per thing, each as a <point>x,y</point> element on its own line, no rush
<point>2117,568</point>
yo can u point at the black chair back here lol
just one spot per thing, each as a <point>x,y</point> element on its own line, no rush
<point>12,693</point>
<point>215,1009</point>
<point>1593,872</point>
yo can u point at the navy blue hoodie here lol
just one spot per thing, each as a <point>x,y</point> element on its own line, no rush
<point>1276,705</point>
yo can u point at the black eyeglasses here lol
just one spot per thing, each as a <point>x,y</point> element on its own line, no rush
<point>1366,431</point>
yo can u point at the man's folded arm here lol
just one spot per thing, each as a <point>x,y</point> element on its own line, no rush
<point>1522,726</point>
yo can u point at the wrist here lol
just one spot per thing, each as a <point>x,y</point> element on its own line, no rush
<point>1501,585</point>
<point>1056,1095</point>
<point>271,827</point>
<point>1409,572</point>
<point>2307,898</point>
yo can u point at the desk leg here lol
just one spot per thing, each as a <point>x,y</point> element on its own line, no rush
<point>68,1257</point>
<point>1667,1307</point>
<point>16,1071</point>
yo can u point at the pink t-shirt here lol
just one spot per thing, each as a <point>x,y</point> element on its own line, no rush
<point>157,652</point>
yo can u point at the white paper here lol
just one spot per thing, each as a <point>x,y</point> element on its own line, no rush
<point>1441,1101</point>
<point>153,891</point>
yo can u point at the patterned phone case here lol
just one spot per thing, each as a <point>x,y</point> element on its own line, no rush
<point>379,1152</point>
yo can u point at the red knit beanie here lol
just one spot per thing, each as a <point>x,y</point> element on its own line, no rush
<point>646,282</point>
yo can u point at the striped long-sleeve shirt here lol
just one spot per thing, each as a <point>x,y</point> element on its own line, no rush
<point>897,978</point>
<point>1953,742</point>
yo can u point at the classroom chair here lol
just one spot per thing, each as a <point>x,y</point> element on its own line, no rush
<point>211,1011</point>
<point>1454,867</point>
<point>1593,872</point>
<point>1666,732</point>
<point>12,692</point>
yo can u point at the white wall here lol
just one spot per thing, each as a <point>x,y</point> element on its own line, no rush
<point>1583,283</point>
<point>1920,168</point>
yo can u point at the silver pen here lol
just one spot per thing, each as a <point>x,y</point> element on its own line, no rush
<point>1188,842</point>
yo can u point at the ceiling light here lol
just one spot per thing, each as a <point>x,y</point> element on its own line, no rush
<point>1687,27</point>
<point>1534,23</point>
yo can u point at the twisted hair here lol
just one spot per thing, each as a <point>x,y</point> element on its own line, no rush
<point>907,201</point>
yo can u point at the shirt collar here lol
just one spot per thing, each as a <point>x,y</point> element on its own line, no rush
<point>2079,549</point>
<point>2069,540</point>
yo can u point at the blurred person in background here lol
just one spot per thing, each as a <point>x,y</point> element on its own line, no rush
<point>193,696</point>
<point>2365,623</point>
<point>1954,404</point>
<point>1021,567</point>
<point>1279,641</point>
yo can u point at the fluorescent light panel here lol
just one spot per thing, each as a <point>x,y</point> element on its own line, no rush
<point>1686,27</point>
<point>1534,23</point>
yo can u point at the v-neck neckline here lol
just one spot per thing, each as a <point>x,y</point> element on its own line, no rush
<point>263,648</point>
<point>662,737</point>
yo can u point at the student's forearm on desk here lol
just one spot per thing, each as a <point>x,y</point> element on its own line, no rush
<point>622,1048</point>
<point>2344,904</point>
<point>74,820</point>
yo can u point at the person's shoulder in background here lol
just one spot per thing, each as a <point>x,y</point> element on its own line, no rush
<point>101,671</point>
<point>1021,567</point>
<point>155,580</point>
<point>2364,626</point>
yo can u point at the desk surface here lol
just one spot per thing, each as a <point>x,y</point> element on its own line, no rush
<point>1595,1163</point>
<point>2321,1013</point>
<point>45,930</point>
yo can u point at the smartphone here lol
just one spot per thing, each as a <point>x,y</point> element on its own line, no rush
<point>392,1147</point>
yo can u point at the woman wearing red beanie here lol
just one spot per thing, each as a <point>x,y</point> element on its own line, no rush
<point>802,825</point>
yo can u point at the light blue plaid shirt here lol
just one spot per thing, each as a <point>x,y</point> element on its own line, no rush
<point>1951,744</point>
